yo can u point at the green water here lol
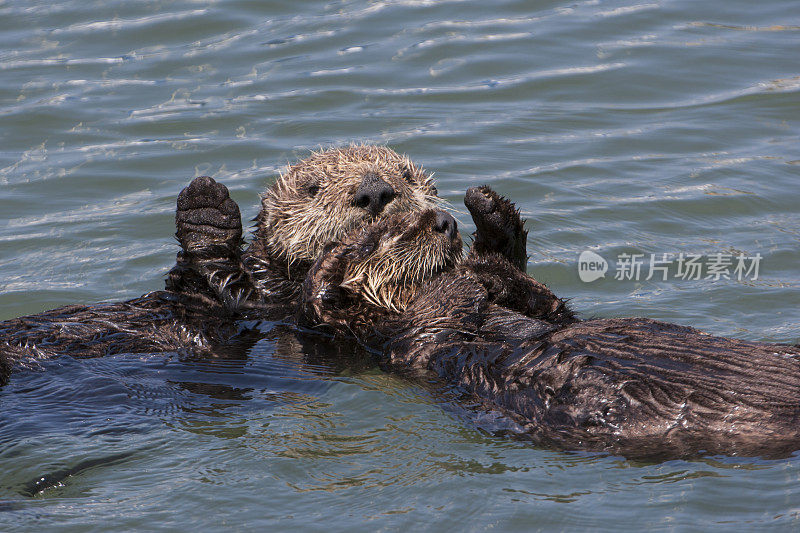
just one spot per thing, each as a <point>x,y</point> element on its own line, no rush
<point>617,127</point>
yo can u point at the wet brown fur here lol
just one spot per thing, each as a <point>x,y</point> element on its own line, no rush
<point>156,322</point>
<point>633,386</point>
<point>383,265</point>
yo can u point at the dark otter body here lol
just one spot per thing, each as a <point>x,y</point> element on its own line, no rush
<point>632,386</point>
<point>214,284</point>
<point>156,322</point>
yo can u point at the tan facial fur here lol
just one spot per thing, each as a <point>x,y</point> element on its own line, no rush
<point>406,251</point>
<point>313,204</point>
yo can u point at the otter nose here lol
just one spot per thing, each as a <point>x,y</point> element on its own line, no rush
<point>373,194</point>
<point>446,224</point>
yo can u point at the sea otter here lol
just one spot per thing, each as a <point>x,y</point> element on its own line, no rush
<point>632,386</point>
<point>214,283</point>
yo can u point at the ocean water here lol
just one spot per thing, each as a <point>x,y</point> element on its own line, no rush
<point>623,128</point>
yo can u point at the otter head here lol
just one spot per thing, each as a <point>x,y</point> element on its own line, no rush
<point>380,268</point>
<point>322,198</point>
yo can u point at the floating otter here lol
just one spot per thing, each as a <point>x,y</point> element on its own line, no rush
<point>633,386</point>
<point>214,283</point>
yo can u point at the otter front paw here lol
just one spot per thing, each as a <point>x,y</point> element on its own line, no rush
<point>209,229</point>
<point>207,218</point>
<point>499,226</point>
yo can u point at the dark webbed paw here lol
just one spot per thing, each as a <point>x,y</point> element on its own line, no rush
<point>209,229</point>
<point>207,217</point>
<point>499,226</point>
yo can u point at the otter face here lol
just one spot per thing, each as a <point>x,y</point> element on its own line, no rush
<point>322,198</point>
<point>383,264</point>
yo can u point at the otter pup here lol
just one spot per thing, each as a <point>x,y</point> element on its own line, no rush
<point>214,283</point>
<point>632,386</point>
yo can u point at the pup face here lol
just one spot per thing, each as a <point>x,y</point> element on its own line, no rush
<point>324,197</point>
<point>381,266</point>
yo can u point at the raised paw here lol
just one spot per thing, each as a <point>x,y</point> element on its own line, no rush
<point>209,229</point>
<point>499,228</point>
<point>207,217</point>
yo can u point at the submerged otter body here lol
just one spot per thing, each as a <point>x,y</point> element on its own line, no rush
<point>638,387</point>
<point>215,284</point>
<point>156,322</point>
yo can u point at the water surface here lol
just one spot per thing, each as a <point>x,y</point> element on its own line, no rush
<point>617,127</point>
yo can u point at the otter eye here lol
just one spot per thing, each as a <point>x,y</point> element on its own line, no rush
<point>408,176</point>
<point>313,190</point>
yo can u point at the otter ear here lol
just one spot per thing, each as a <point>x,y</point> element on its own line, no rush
<point>407,174</point>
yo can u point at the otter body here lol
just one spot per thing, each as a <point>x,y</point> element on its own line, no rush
<point>633,386</point>
<point>156,322</point>
<point>638,387</point>
<point>215,284</point>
